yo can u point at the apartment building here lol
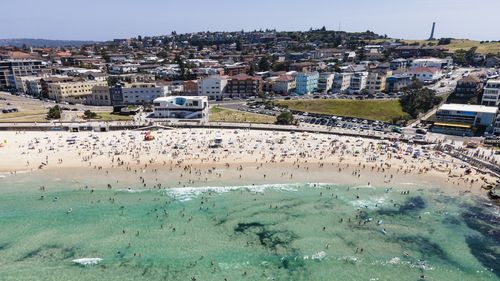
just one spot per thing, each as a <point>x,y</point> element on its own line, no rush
<point>10,69</point>
<point>358,82</point>
<point>491,94</point>
<point>341,82</point>
<point>468,87</point>
<point>397,82</point>
<point>376,81</point>
<point>143,93</point>
<point>213,87</point>
<point>283,84</point>
<point>243,86</point>
<point>72,92</point>
<point>100,96</point>
<point>325,82</point>
<point>306,82</point>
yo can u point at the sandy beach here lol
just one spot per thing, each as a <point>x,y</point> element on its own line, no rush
<point>182,158</point>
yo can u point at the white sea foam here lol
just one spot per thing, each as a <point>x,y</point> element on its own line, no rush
<point>189,193</point>
<point>87,261</point>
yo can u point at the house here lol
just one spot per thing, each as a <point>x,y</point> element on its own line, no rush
<point>284,84</point>
<point>303,67</point>
<point>306,82</point>
<point>213,87</point>
<point>181,107</point>
<point>464,119</point>
<point>491,94</point>
<point>427,74</point>
<point>243,86</point>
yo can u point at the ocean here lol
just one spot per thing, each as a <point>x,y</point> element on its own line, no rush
<point>301,231</point>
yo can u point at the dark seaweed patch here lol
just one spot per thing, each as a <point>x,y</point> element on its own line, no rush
<point>483,250</point>
<point>270,239</point>
<point>53,252</point>
<point>411,206</point>
<point>451,221</point>
<point>4,246</point>
<point>484,247</point>
<point>424,246</point>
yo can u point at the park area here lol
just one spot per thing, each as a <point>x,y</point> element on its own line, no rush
<point>219,114</point>
<point>383,110</point>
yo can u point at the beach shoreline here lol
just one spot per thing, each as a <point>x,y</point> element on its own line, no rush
<point>182,158</point>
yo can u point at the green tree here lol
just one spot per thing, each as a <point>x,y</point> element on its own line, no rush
<point>285,118</point>
<point>89,114</point>
<point>54,112</point>
<point>416,101</point>
<point>264,64</point>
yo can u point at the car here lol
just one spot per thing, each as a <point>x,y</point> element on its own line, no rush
<point>421,131</point>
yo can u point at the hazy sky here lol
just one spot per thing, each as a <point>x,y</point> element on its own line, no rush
<point>108,19</point>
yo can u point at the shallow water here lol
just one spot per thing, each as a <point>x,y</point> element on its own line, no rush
<point>267,232</point>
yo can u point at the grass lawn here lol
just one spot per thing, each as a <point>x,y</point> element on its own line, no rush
<point>107,116</point>
<point>383,110</point>
<point>457,44</point>
<point>219,114</point>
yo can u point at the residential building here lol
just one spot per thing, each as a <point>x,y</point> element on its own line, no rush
<point>116,95</point>
<point>243,85</point>
<point>492,62</point>
<point>143,93</point>
<point>99,96</point>
<point>72,92</point>
<point>496,130</point>
<point>233,70</point>
<point>464,119</point>
<point>306,82</point>
<point>341,82</point>
<point>303,67</point>
<point>431,62</point>
<point>190,87</point>
<point>491,94</point>
<point>358,82</point>
<point>376,80</point>
<point>181,107</point>
<point>427,74</point>
<point>11,69</point>
<point>325,82</point>
<point>468,87</point>
<point>397,82</point>
<point>399,63</point>
<point>213,87</point>
<point>284,84</point>
<point>33,86</point>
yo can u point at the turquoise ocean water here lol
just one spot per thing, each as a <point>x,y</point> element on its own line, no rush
<point>265,232</point>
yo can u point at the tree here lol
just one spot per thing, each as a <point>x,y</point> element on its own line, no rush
<point>264,64</point>
<point>285,118</point>
<point>239,46</point>
<point>54,112</point>
<point>89,114</point>
<point>416,101</point>
<point>251,70</point>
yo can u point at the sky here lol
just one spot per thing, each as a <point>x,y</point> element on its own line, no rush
<point>102,20</point>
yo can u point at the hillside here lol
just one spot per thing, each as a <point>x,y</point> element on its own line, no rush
<point>42,42</point>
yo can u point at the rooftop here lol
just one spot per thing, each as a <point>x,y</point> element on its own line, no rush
<point>469,108</point>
